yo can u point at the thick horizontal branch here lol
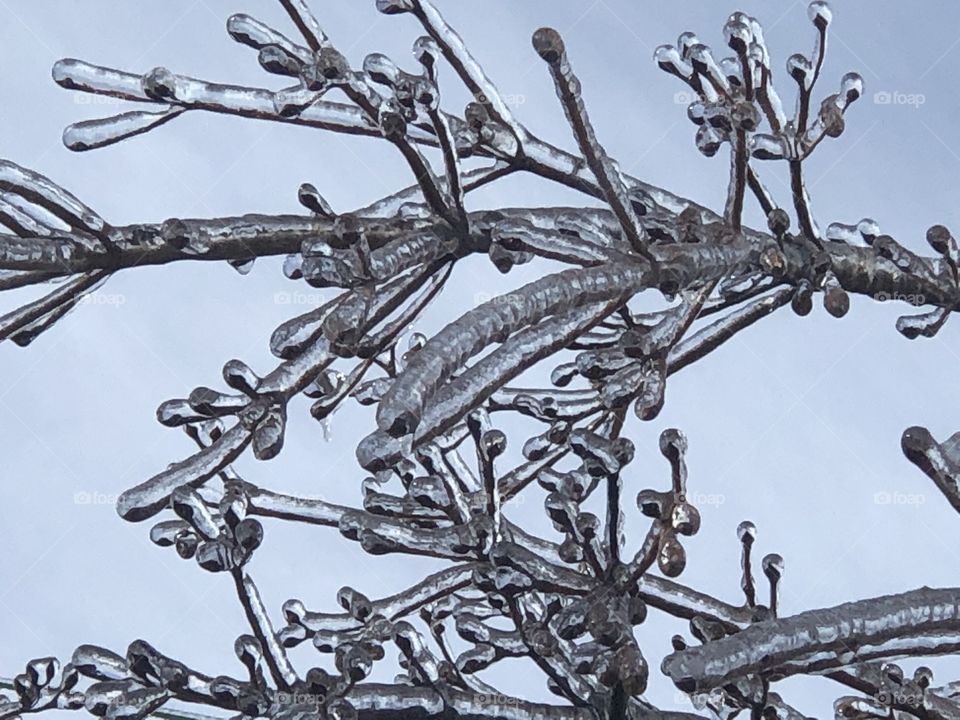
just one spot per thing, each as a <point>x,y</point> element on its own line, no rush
<point>916,623</point>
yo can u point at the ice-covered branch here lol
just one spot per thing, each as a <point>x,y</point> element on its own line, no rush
<point>917,623</point>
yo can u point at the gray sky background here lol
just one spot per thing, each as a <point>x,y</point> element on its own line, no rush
<point>794,425</point>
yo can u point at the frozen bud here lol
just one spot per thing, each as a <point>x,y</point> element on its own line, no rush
<point>562,375</point>
<point>429,491</point>
<point>851,87</point>
<point>493,443</point>
<point>652,503</point>
<point>820,14</point>
<point>312,200</point>
<point>923,676</point>
<point>549,45</point>
<point>186,545</point>
<point>678,643</point>
<point>836,301</point>
<point>802,301</point>
<point>355,603</point>
<point>747,532</point>
<point>686,42</point>
<point>671,558</point>
<point>233,507</point>
<point>800,69</point>
<point>392,125</point>
<point>768,147</point>
<point>276,60</point>
<point>248,651</point>
<point>778,221</point>
<point>892,673</point>
<point>738,35</point>
<point>189,506</point>
<point>160,84</point>
<point>669,60</point>
<point>42,670</point>
<point>238,375</point>
<point>732,71</point>
<point>249,534</point>
<point>214,556</point>
<point>427,52</point>
<point>685,519</point>
<point>673,444</point>
<point>570,551</point>
<point>697,112</point>
<point>869,230</point>
<point>709,140</point>
<point>773,261</point>
<point>395,7</point>
<point>164,534</point>
<point>476,115</point>
<point>745,116</point>
<point>941,240</point>
<point>832,117</point>
<point>773,567</point>
<point>269,432</point>
<point>381,69</point>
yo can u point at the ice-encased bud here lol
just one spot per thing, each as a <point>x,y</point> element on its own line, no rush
<point>381,69</point>
<point>851,87</point>
<point>238,375</point>
<point>278,61</point>
<point>685,42</point>
<point>395,7</point>
<point>709,140</point>
<point>393,126</point>
<point>745,116</point>
<point>427,52</point>
<point>869,230</point>
<point>802,301</point>
<point>800,69</point>
<point>685,519</point>
<point>671,557</point>
<point>160,84</point>
<point>832,117</point>
<point>747,532</point>
<point>355,603</point>
<point>778,221</point>
<point>493,443</point>
<point>312,200</point>
<point>923,676</point>
<point>549,45</point>
<point>673,444</point>
<point>768,147</point>
<point>738,35</point>
<point>669,60</point>
<point>773,567</point>
<point>820,14</point>
<point>941,240</point>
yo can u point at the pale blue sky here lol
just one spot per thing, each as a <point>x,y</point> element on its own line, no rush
<point>794,425</point>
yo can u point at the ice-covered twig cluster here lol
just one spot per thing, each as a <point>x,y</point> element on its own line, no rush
<point>439,484</point>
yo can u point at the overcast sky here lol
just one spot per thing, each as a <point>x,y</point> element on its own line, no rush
<point>795,424</point>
